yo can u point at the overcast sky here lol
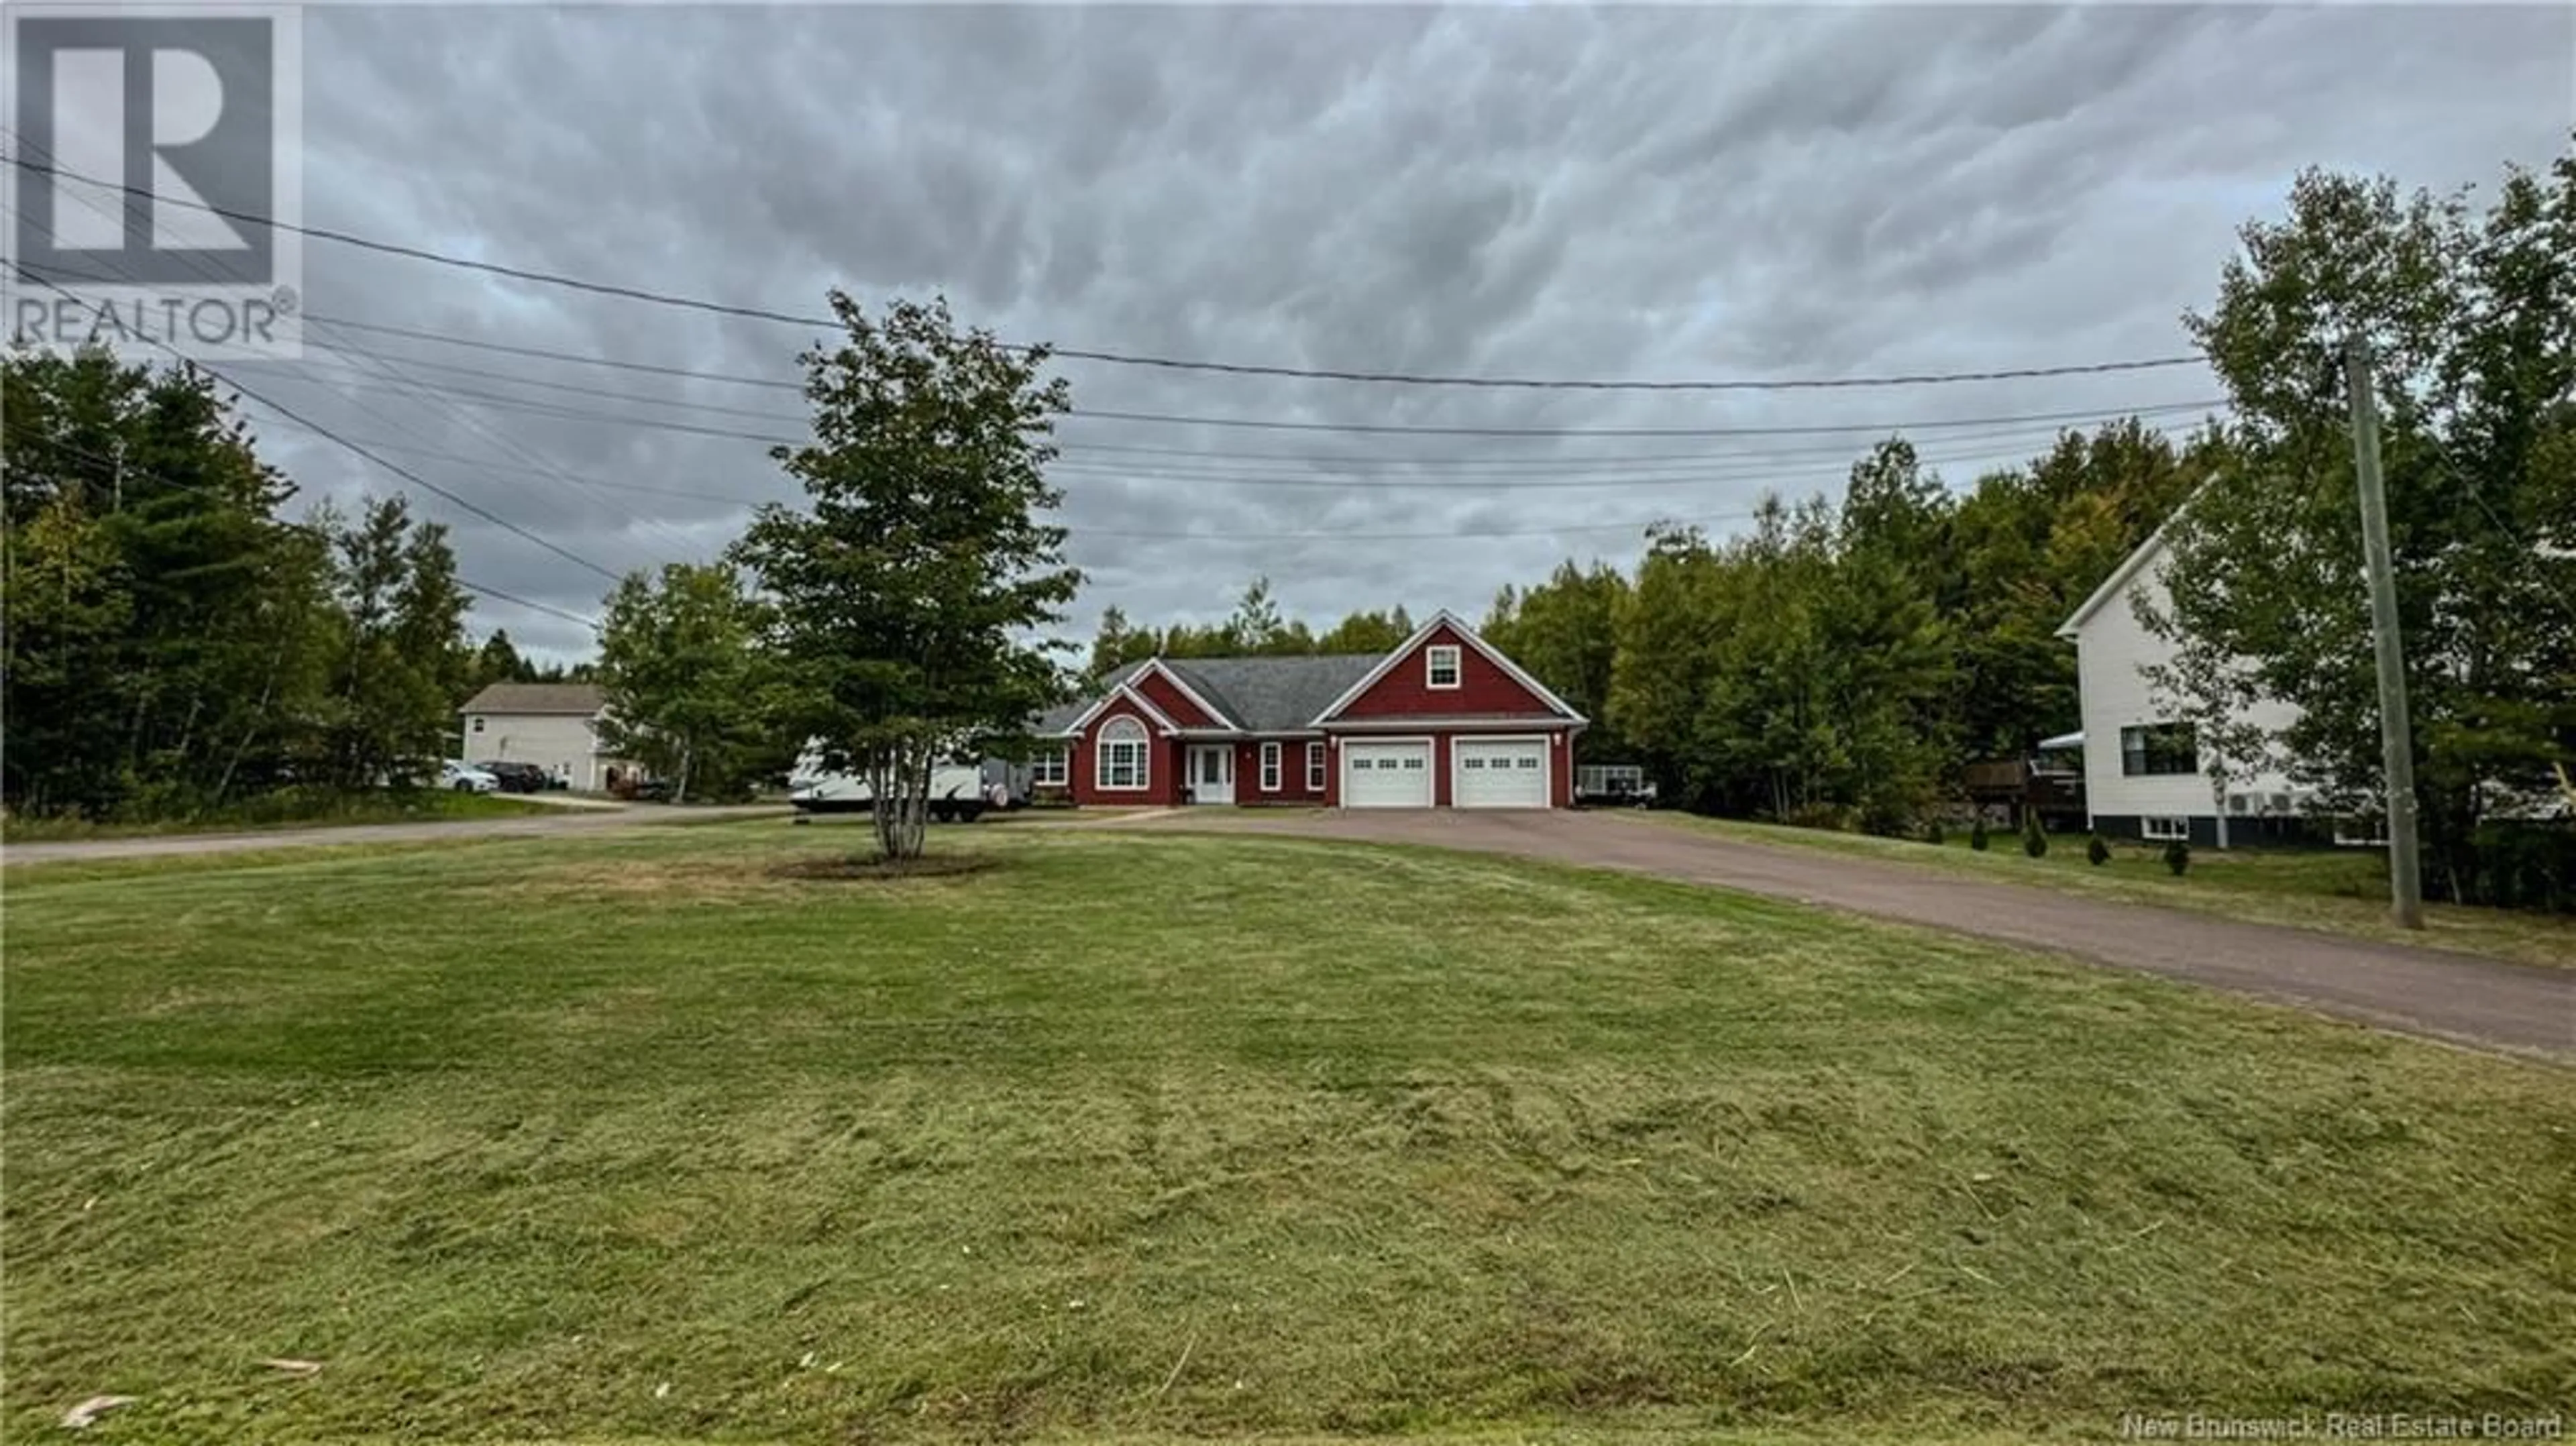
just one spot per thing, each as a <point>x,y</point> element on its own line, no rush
<point>1677,193</point>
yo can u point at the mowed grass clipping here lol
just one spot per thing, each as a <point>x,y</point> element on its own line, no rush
<point>635,1137</point>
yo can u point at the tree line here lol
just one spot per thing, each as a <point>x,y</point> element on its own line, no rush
<point>1256,628</point>
<point>175,644</point>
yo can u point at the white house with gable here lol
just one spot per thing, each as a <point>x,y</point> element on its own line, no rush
<point>552,725</point>
<point>2146,774</point>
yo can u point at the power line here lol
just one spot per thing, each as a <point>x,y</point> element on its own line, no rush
<point>530,603</point>
<point>1783,466</point>
<point>1082,414</point>
<point>475,424</point>
<point>1443,535</point>
<point>1080,530</point>
<point>1119,358</point>
<point>539,407</point>
<point>166,480</point>
<point>1365,473</point>
<point>1070,446</point>
<point>612,394</point>
<point>1626,467</point>
<point>567,413</point>
<point>405,473</point>
<point>469,505</point>
<point>549,354</point>
<point>1838,429</point>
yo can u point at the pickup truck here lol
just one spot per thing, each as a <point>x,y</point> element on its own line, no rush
<point>956,794</point>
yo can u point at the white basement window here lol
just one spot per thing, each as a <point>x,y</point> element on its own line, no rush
<point>1440,666</point>
<point>1125,764</point>
<point>1269,768</point>
<point>2164,828</point>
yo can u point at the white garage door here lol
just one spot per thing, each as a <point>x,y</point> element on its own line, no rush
<point>1386,775</point>
<point>1499,774</point>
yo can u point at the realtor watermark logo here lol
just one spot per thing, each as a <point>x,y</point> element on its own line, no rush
<point>156,181</point>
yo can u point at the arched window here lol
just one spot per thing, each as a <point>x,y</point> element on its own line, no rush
<point>1125,758</point>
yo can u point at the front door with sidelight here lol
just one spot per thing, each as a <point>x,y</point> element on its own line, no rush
<point>1212,773</point>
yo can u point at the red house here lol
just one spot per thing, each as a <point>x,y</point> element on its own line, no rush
<point>1443,721</point>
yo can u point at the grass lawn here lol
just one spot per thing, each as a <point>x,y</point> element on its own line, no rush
<point>424,805</point>
<point>1140,1136</point>
<point>2343,891</point>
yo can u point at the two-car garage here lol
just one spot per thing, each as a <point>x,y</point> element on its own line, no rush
<point>1483,773</point>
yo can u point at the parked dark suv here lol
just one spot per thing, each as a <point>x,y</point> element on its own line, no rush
<point>518,777</point>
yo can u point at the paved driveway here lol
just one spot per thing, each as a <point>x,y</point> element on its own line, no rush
<point>2488,1003</point>
<point>591,819</point>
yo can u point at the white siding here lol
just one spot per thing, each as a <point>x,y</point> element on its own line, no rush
<point>562,744</point>
<point>2111,649</point>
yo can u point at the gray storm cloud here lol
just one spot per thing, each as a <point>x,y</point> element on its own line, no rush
<point>1553,192</point>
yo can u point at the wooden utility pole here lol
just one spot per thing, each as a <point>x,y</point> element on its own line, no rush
<point>2396,741</point>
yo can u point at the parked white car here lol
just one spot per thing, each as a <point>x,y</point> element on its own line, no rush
<point>465,778</point>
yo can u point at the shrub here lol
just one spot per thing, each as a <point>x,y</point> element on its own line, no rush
<point>1830,817</point>
<point>2098,852</point>
<point>2178,857</point>
<point>1977,835</point>
<point>2034,839</point>
<point>1935,834</point>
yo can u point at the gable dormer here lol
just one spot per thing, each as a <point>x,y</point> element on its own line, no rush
<point>1446,671</point>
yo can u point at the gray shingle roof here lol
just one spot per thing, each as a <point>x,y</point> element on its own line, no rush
<point>581,699</point>
<point>1262,695</point>
<point>1273,695</point>
<point>1061,716</point>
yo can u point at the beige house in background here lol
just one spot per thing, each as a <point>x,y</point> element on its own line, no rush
<point>552,725</point>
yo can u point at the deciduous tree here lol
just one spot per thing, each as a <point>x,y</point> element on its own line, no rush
<point>681,675</point>
<point>907,596</point>
<point>2472,318</point>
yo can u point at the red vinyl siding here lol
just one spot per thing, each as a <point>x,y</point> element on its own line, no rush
<point>1292,773</point>
<point>1174,703</point>
<point>1483,689</point>
<point>1163,778</point>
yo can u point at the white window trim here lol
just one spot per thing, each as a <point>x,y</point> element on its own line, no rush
<point>1315,766</point>
<point>1134,735</point>
<point>478,723</point>
<point>2164,828</point>
<point>1431,660</point>
<point>1057,762</point>
<point>1270,768</point>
